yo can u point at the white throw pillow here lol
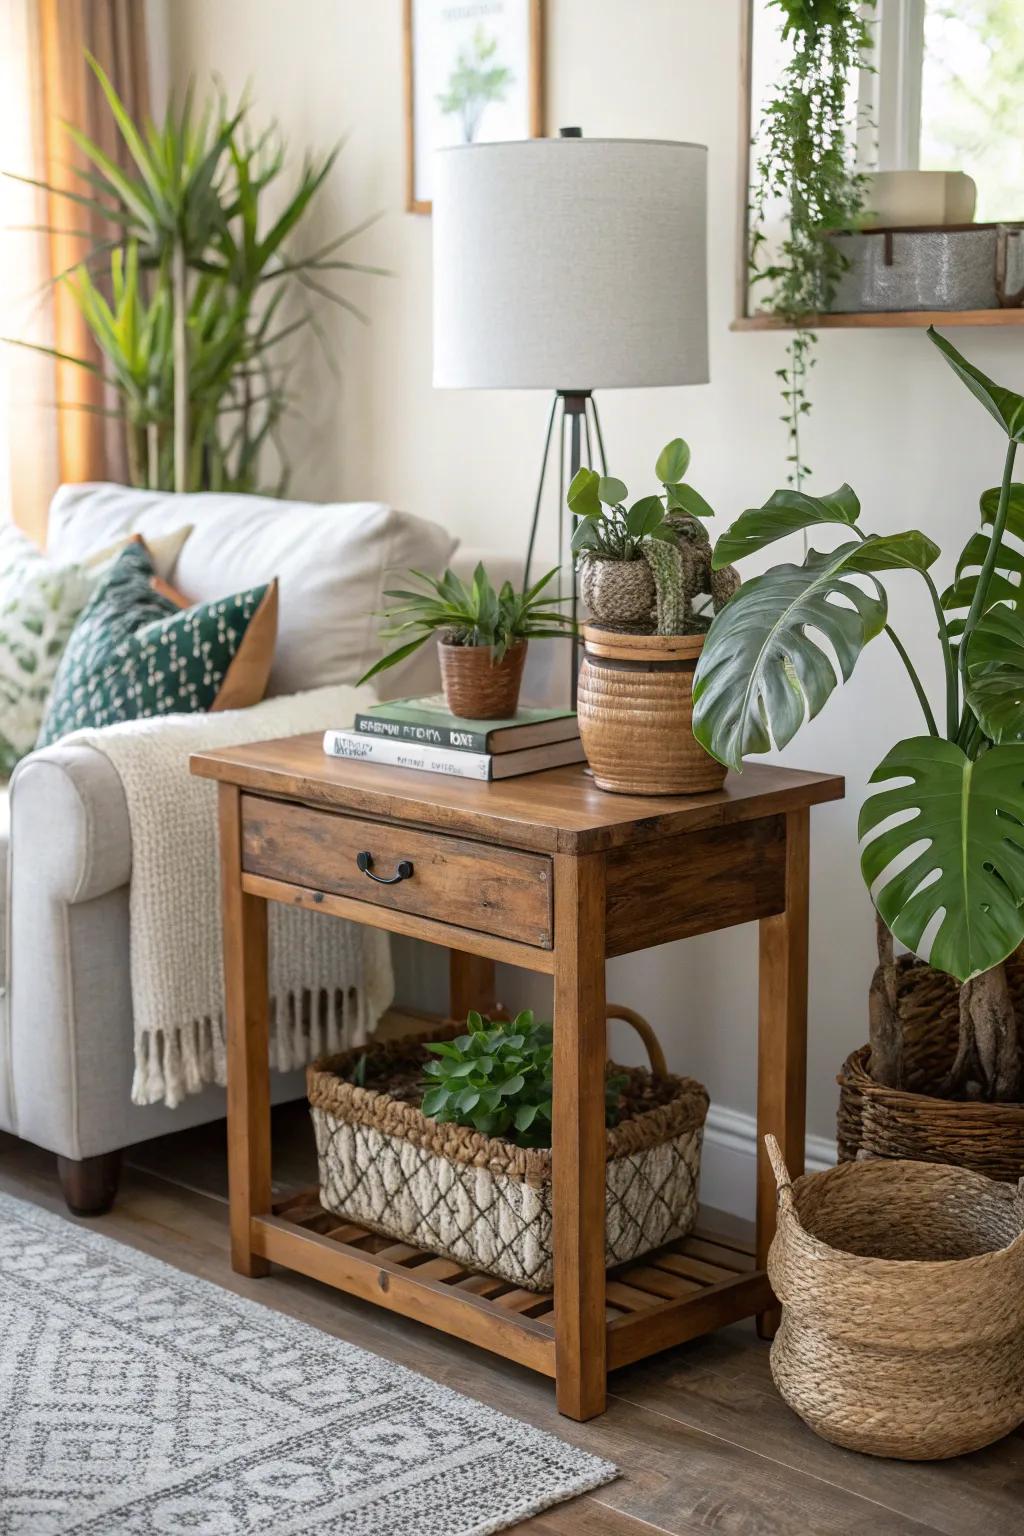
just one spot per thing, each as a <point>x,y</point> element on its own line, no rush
<point>332,563</point>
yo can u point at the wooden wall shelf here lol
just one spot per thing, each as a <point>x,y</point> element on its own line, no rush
<point>889,319</point>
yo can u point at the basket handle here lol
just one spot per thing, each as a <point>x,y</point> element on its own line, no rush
<point>783,1182</point>
<point>652,1046</point>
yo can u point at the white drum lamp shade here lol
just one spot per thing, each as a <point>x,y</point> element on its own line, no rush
<point>570,264</point>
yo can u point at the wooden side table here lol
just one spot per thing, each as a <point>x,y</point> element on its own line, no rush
<point>548,873</point>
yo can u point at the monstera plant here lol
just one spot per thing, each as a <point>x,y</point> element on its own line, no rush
<point>942,831</point>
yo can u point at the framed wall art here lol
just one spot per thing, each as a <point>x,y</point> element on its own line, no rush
<point>474,73</point>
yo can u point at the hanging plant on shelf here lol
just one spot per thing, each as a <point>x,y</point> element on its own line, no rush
<point>805,162</point>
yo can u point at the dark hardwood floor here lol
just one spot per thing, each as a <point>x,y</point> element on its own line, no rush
<point>703,1440</point>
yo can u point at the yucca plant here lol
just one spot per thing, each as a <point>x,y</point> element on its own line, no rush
<point>190,297</point>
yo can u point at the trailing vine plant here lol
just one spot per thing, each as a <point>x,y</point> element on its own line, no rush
<point>805,162</point>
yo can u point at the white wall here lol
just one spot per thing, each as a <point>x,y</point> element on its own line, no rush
<point>888,417</point>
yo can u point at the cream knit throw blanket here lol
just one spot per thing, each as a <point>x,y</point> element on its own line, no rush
<point>330,980</point>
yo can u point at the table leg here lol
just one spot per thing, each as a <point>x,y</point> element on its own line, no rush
<point>782,1039</point>
<point>578,1136</point>
<point>244,920</point>
<point>471,984</point>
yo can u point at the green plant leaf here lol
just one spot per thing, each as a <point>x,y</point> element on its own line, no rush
<point>583,498</point>
<point>673,462</point>
<point>1008,574</point>
<point>995,673</point>
<point>1006,407</point>
<point>785,512</point>
<point>684,498</point>
<point>611,491</point>
<point>761,673</point>
<point>959,852</point>
<point>644,516</point>
<point>912,551</point>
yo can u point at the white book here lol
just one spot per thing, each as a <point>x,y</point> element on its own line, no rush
<point>404,754</point>
<point>455,761</point>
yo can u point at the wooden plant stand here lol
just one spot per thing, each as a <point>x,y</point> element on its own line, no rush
<point>551,874</point>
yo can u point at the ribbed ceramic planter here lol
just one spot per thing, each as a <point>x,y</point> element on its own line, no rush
<point>478,688</point>
<point>635,708</point>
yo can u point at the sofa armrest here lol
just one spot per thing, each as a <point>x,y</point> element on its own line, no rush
<point>68,985</point>
<point>69,824</point>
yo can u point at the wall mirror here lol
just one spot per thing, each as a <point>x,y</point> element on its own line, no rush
<point>934,109</point>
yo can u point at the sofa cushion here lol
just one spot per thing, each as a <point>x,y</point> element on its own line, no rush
<point>332,563</point>
<point>134,653</point>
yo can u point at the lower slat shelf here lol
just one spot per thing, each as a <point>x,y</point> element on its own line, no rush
<point>665,1297</point>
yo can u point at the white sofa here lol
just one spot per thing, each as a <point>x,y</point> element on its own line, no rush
<point>66,1022</point>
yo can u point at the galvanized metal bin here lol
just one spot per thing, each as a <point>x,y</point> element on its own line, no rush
<point>955,266</point>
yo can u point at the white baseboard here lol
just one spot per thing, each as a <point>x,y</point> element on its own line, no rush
<point>727,1165</point>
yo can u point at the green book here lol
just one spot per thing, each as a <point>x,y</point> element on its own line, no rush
<point>429,722</point>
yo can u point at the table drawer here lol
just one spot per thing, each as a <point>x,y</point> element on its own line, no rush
<point>449,879</point>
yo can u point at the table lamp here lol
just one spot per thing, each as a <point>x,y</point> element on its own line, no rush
<point>570,264</point>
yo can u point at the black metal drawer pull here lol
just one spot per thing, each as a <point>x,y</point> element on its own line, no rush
<point>403,872</point>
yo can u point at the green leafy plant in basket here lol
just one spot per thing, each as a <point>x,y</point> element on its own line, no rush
<point>482,631</point>
<point>647,565</point>
<point>496,1078</point>
<point>942,831</point>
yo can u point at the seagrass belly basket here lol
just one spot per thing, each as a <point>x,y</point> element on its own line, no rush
<point>485,1202</point>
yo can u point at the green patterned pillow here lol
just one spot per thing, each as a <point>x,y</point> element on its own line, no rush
<point>40,604</point>
<point>135,653</point>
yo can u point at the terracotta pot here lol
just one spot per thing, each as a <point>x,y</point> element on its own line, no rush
<point>617,592</point>
<point>635,708</point>
<point>478,688</point>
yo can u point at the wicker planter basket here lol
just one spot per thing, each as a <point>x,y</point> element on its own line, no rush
<point>619,593</point>
<point>912,1121</point>
<point>482,1201</point>
<point>902,1287</point>
<point>477,688</point>
<point>635,710</point>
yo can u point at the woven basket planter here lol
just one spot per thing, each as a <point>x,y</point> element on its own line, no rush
<point>902,1288</point>
<point>619,593</point>
<point>635,710</point>
<point>912,1120</point>
<point>485,1202</point>
<point>475,686</point>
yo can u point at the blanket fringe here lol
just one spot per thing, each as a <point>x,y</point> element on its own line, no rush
<point>170,1064</point>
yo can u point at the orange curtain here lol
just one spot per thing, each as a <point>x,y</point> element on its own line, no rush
<point>90,445</point>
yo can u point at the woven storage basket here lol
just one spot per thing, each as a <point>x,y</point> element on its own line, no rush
<point>485,1202</point>
<point>902,1287</point>
<point>912,1120</point>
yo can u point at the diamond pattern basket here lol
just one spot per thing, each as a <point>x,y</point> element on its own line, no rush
<point>485,1202</point>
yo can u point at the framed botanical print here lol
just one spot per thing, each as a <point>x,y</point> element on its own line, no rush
<point>474,73</point>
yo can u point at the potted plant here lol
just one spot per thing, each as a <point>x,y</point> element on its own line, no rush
<point>483,634</point>
<point>467,1110</point>
<point>647,578</point>
<point>943,829</point>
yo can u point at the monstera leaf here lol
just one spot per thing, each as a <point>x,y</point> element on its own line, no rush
<point>959,852</point>
<point>761,674</point>
<point>1003,404</point>
<point>784,512</point>
<point>1008,572</point>
<point>995,674</point>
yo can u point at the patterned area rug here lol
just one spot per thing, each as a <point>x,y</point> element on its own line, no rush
<point>136,1400</point>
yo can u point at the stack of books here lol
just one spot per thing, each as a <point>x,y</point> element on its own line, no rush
<point>423,734</point>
